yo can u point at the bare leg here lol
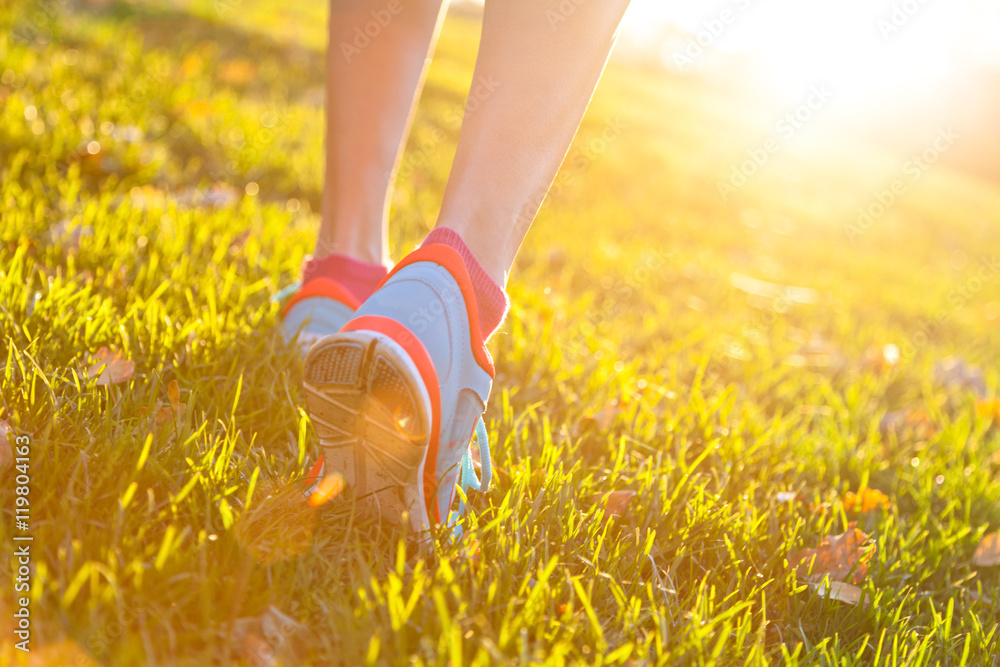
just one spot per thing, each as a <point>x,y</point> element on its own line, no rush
<point>376,63</point>
<point>538,65</point>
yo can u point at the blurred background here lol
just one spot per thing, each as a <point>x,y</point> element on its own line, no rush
<point>895,67</point>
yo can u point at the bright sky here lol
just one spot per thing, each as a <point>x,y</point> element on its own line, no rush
<point>857,46</point>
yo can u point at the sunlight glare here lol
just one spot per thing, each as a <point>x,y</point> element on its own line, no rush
<point>869,52</point>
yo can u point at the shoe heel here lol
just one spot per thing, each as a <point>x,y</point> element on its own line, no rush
<point>371,412</point>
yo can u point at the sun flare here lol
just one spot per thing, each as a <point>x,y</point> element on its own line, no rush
<point>869,52</point>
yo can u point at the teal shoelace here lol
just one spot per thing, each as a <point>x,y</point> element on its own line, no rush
<point>467,478</point>
<point>285,292</point>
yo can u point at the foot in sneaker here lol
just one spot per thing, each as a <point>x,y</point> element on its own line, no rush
<point>332,289</point>
<point>396,395</point>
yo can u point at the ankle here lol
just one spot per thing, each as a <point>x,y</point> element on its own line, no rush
<point>491,300</point>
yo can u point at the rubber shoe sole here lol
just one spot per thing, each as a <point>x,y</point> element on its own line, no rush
<point>371,412</point>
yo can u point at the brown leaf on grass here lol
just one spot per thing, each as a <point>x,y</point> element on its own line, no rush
<point>865,500</point>
<point>109,367</point>
<point>174,394</point>
<point>167,415</point>
<point>988,552</point>
<point>616,503</point>
<point>6,452</point>
<point>842,557</point>
<point>175,409</point>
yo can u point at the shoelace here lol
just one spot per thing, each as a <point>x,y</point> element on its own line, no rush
<point>467,478</point>
<point>286,292</point>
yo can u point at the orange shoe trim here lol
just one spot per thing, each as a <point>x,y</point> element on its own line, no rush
<point>313,475</point>
<point>422,360</point>
<point>448,257</point>
<point>325,287</point>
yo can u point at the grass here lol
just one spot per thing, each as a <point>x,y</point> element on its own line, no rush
<point>160,172</point>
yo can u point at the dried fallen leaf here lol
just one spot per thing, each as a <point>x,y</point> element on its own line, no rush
<point>842,557</point>
<point>109,367</point>
<point>6,452</point>
<point>175,409</point>
<point>988,552</point>
<point>838,590</point>
<point>865,500</point>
